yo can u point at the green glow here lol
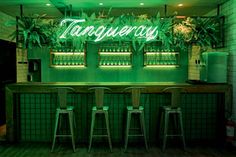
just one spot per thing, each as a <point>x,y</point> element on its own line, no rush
<point>67,53</point>
<point>161,66</point>
<point>161,53</point>
<point>115,66</point>
<point>115,53</point>
<point>74,29</point>
<point>68,59</point>
<point>68,66</point>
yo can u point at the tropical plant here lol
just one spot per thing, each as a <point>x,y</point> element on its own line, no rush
<point>199,31</point>
<point>205,31</point>
<point>183,32</point>
<point>165,35</point>
<point>34,31</point>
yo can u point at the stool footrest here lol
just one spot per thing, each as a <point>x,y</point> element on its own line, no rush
<point>175,135</point>
<point>63,135</point>
<point>100,128</point>
<point>100,135</point>
<point>136,135</point>
<point>134,128</point>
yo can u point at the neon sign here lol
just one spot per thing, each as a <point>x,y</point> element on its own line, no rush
<point>77,28</point>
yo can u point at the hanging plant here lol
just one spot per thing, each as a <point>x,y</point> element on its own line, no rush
<point>33,30</point>
<point>183,31</point>
<point>36,31</point>
<point>199,31</point>
<point>204,33</point>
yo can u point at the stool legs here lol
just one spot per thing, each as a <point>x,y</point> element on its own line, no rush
<point>166,125</point>
<point>55,131</point>
<point>182,129</point>
<point>178,115</point>
<point>71,123</point>
<point>107,129</point>
<point>91,130</point>
<point>142,125</point>
<point>127,130</point>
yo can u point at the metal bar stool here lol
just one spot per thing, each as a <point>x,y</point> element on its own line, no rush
<point>173,109</point>
<point>134,110</point>
<point>61,112</point>
<point>99,109</point>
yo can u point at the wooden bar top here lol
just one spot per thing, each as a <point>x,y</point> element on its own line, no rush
<point>151,87</point>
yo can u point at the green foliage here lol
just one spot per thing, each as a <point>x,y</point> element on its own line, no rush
<point>181,33</point>
<point>164,28</point>
<point>204,33</point>
<point>199,31</point>
<point>35,30</point>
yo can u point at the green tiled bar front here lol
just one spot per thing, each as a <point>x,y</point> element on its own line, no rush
<point>36,115</point>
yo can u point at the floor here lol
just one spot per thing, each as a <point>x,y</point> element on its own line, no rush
<point>65,150</point>
<point>101,150</point>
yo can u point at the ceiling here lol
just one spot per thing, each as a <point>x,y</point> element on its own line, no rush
<point>74,7</point>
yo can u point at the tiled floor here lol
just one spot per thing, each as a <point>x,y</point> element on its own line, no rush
<point>101,150</point>
<point>43,150</point>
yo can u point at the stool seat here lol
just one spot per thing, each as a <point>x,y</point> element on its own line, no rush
<point>67,109</point>
<point>104,108</point>
<point>131,108</point>
<point>169,108</point>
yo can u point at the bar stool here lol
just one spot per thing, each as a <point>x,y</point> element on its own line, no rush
<point>134,110</point>
<point>173,109</point>
<point>99,109</point>
<point>61,112</point>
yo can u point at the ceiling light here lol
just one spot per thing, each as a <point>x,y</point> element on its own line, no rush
<point>48,4</point>
<point>141,3</point>
<point>180,5</point>
<point>100,3</point>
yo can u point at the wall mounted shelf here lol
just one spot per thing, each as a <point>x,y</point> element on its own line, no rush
<point>68,59</point>
<point>115,55</point>
<point>161,59</point>
<point>155,55</point>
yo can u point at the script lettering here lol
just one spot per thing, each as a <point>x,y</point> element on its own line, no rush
<point>74,28</point>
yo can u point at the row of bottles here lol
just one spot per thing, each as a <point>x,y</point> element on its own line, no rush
<point>117,54</point>
<point>115,48</point>
<point>71,59</point>
<point>161,59</point>
<point>115,60</point>
<point>110,60</point>
<point>79,50</point>
<point>158,49</point>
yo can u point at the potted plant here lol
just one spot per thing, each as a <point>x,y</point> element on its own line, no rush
<point>34,31</point>
<point>198,31</point>
<point>204,33</point>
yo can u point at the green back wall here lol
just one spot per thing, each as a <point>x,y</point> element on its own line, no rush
<point>93,73</point>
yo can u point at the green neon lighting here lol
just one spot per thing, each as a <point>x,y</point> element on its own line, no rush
<point>161,66</point>
<point>115,66</point>
<point>68,66</point>
<point>161,53</point>
<point>68,54</point>
<point>77,28</point>
<point>115,53</point>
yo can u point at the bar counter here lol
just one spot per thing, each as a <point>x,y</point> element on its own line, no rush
<point>217,94</point>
